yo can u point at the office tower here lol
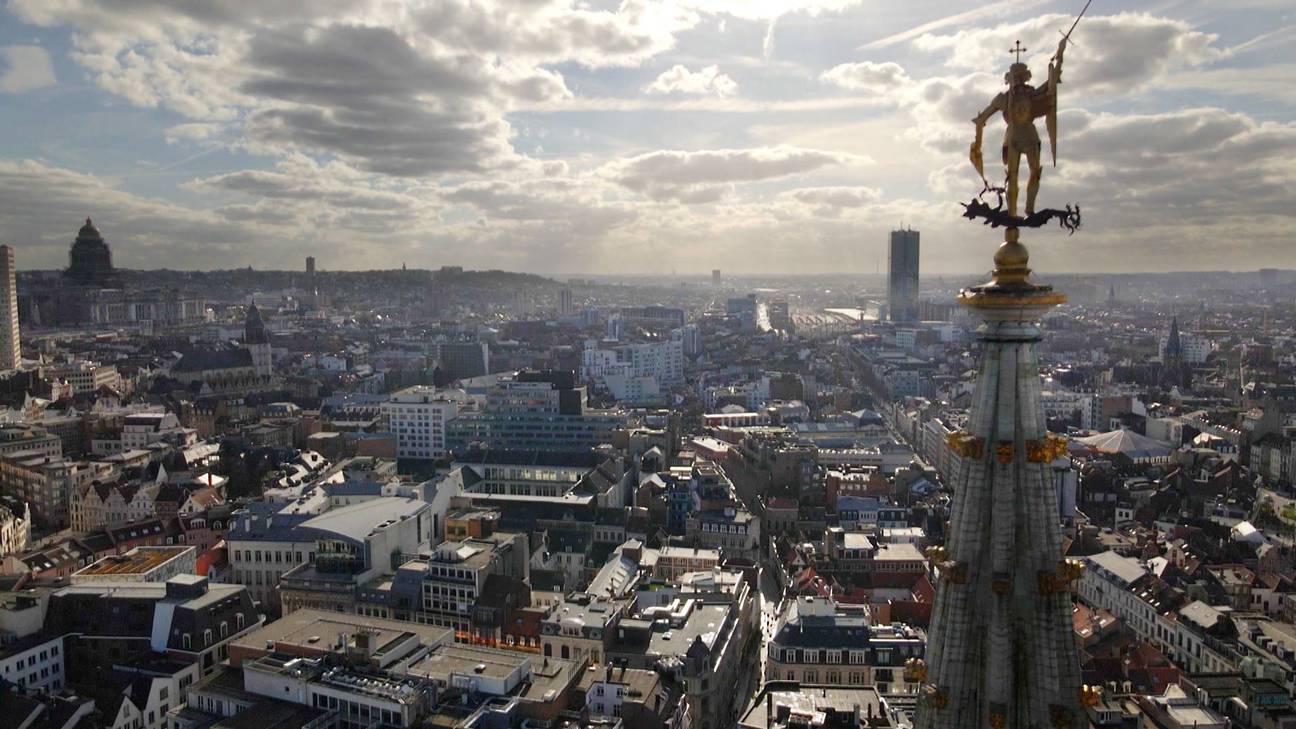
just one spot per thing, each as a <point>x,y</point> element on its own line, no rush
<point>565,306</point>
<point>536,410</point>
<point>902,281</point>
<point>310,266</point>
<point>418,416</point>
<point>653,317</point>
<point>746,309</point>
<point>461,360</point>
<point>715,277</point>
<point>1001,650</point>
<point>10,349</point>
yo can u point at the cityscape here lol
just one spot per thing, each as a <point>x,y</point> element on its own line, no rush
<point>436,428</point>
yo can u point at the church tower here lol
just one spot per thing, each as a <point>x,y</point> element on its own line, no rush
<point>1174,345</point>
<point>1175,372</point>
<point>1001,652</point>
<point>257,341</point>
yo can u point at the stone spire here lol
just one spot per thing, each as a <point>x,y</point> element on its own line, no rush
<point>254,328</point>
<point>256,338</point>
<point>1174,345</point>
<point>1001,652</point>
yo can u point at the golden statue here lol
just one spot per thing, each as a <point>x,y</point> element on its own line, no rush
<point>1021,105</point>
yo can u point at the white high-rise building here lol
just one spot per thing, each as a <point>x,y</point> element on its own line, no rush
<point>418,416</point>
<point>635,372</point>
<point>10,349</point>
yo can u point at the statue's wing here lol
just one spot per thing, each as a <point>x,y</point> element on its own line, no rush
<point>1050,116</point>
<point>1050,122</point>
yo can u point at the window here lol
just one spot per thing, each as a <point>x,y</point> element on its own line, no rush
<point>184,641</point>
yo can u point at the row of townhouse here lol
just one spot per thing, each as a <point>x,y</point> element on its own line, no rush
<point>1197,636</point>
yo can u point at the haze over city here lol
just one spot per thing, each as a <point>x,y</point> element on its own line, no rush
<point>641,137</point>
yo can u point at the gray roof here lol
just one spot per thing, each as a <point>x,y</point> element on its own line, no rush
<point>1126,569</point>
<point>1200,613</point>
<point>356,521</point>
<point>221,359</point>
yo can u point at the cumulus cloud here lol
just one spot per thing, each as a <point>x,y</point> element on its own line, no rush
<point>194,132</point>
<point>867,76</point>
<point>705,82</point>
<point>1116,53</point>
<point>551,31</point>
<point>708,175</point>
<point>832,201</point>
<point>25,68</point>
<point>404,90</point>
<point>44,206</point>
<point>387,132</point>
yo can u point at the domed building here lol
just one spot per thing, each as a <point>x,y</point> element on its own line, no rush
<point>90,260</point>
<point>92,292</point>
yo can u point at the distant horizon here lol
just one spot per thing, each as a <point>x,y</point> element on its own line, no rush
<point>790,137</point>
<point>704,277</point>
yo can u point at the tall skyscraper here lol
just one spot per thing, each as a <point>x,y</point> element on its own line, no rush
<point>715,277</point>
<point>565,306</point>
<point>1001,651</point>
<point>902,281</point>
<point>310,265</point>
<point>10,349</point>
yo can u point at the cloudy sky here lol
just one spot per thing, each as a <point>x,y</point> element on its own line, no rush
<point>640,136</point>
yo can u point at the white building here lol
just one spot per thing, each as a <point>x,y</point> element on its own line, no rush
<point>1194,348</point>
<point>15,526</point>
<point>34,664</point>
<point>143,429</point>
<point>418,416</point>
<point>85,376</point>
<point>1124,588</point>
<point>638,371</point>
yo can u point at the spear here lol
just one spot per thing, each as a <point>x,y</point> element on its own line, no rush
<point>1055,77</point>
<point>1067,35</point>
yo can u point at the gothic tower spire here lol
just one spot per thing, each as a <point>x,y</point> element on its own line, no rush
<point>1001,652</point>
